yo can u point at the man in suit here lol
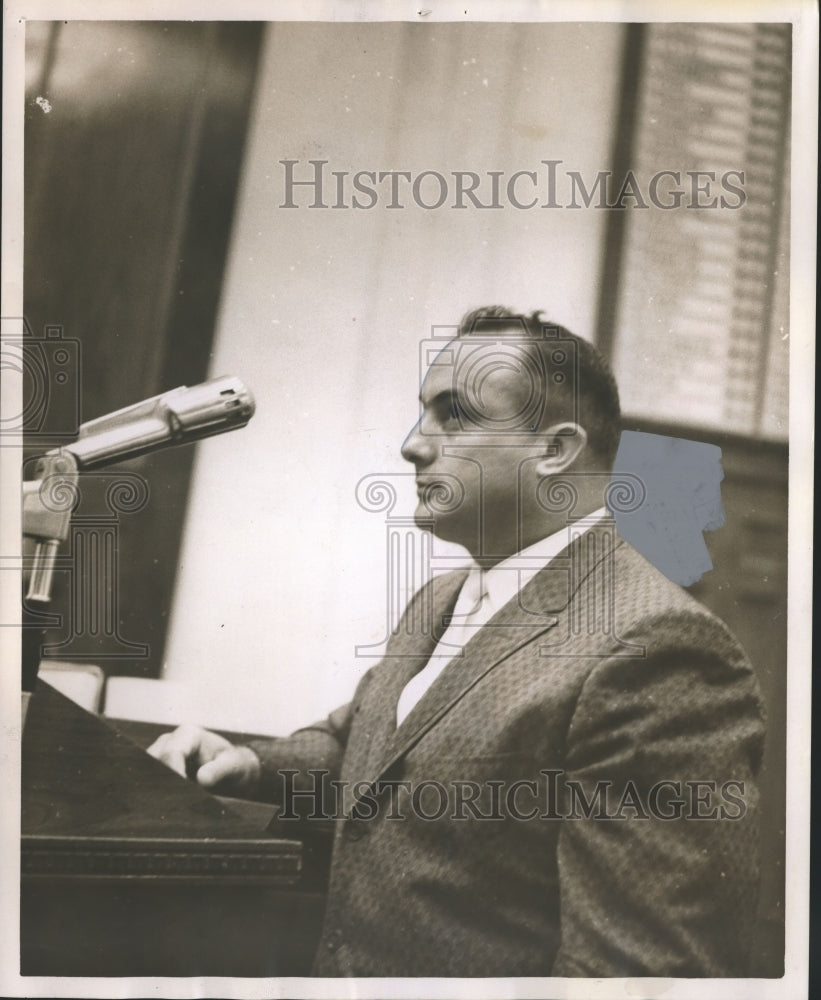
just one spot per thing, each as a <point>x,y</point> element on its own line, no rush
<point>551,771</point>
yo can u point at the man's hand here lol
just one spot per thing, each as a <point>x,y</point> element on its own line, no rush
<point>215,762</point>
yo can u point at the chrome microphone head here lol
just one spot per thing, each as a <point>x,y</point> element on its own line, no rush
<point>175,417</point>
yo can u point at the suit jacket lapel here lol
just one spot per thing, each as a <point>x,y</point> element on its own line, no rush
<point>408,651</point>
<point>529,614</point>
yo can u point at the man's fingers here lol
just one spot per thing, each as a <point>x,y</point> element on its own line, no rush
<point>236,769</point>
<point>176,761</point>
<point>216,762</point>
<point>176,749</point>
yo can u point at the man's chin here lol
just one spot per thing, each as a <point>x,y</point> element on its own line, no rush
<point>440,525</point>
<point>424,519</point>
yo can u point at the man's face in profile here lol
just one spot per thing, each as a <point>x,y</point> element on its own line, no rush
<point>476,443</point>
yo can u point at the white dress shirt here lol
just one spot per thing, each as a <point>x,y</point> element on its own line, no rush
<point>483,593</point>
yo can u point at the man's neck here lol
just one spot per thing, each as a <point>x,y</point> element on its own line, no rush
<point>499,550</point>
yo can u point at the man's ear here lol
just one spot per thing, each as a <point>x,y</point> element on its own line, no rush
<point>563,444</point>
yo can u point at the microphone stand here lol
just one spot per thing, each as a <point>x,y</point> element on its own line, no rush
<point>48,501</point>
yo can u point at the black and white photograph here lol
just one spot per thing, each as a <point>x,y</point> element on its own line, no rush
<point>406,451</point>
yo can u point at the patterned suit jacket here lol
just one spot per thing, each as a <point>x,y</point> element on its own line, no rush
<point>594,750</point>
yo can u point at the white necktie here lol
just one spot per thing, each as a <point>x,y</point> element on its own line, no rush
<point>461,629</point>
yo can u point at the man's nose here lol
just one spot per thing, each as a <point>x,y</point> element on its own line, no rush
<point>418,448</point>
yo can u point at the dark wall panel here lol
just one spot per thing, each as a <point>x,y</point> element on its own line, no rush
<point>130,182</point>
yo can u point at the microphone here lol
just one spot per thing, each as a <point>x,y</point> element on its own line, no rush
<point>175,417</point>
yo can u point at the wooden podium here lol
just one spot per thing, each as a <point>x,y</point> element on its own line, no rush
<point>129,870</point>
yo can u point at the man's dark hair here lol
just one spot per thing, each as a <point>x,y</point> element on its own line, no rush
<point>590,397</point>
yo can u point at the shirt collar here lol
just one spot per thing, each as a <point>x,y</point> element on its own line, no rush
<point>504,580</point>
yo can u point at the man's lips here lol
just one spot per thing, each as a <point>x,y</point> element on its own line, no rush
<point>434,493</point>
<point>440,493</point>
